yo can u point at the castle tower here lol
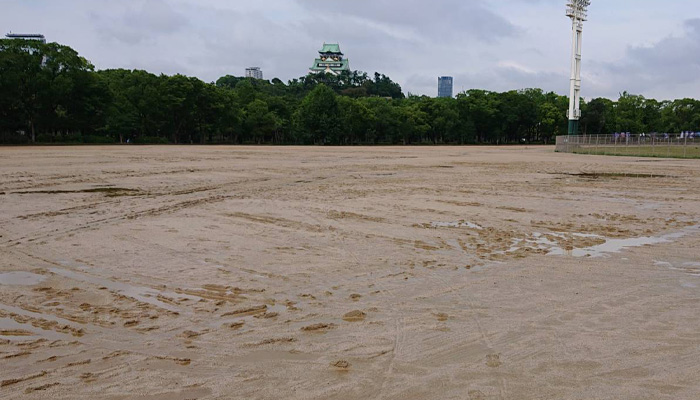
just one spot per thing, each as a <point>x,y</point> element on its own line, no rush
<point>331,60</point>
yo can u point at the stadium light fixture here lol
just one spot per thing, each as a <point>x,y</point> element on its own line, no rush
<point>577,10</point>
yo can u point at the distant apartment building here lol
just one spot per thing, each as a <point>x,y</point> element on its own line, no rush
<point>445,84</point>
<point>29,36</point>
<point>254,72</point>
<point>26,36</point>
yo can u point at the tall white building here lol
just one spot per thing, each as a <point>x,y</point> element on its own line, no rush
<point>254,72</point>
<point>29,36</point>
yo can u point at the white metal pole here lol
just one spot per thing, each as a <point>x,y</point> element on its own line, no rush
<point>577,11</point>
<point>574,66</point>
<point>579,43</point>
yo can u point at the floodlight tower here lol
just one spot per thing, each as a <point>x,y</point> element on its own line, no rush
<point>577,10</point>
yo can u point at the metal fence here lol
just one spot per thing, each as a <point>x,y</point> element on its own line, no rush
<point>654,145</point>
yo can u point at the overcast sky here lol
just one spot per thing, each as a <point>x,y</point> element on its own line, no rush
<point>648,47</point>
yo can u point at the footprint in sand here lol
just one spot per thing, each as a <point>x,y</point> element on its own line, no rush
<point>236,325</point>
<point>354,316</point>
<point>341,365</point>
<point>15,332</point>
<point>318,327</point>
<point>493,360</point>
<point>40,388</point>
<point>268,315</point>
<point>190,334</point>
<point>246,311</point>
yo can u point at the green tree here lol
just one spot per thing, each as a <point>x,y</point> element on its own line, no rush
<point>356,121</point>
<point>45,88</point>
<point>318,116</point>
<point>629,110</point>
<point>597,118</point>
<point>260,121</point>
<point>482,108</point>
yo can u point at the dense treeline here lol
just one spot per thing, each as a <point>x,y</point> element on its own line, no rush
<point>49,94</point>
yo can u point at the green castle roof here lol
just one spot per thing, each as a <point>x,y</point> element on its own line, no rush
<point>343,65</point>
<point>331,48</point>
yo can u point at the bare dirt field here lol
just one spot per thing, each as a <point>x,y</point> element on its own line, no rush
<point>181,273</point>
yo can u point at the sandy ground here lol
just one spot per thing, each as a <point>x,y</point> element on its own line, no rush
<point>330,273</point>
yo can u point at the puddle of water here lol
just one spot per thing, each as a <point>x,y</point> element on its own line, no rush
<point>140,293</point>
<point>617,245</point>
<point>663,264</point>
<point>539,240</point>
<point>9,324</point>
<point>588,235</point>
<point>457,224</point>
<point>21,311</point>
<point>689,268</point>
<point>515,246</point>
<point>543,243</point>
<point>21,278</point>
<point>72,264</point>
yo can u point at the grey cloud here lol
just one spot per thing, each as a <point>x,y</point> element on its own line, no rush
<point>227,40</point>
<point>447,19</point>
<point>135,22</point>
<point>421,84</point>
<point>671,62</point>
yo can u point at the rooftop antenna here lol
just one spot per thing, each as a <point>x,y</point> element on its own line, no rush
<point>577,10</point>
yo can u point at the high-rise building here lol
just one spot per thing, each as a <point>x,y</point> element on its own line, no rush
<point>445,86</point>
<point>330,60</point>
<point>253,72</point>
<point>29,36</point>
